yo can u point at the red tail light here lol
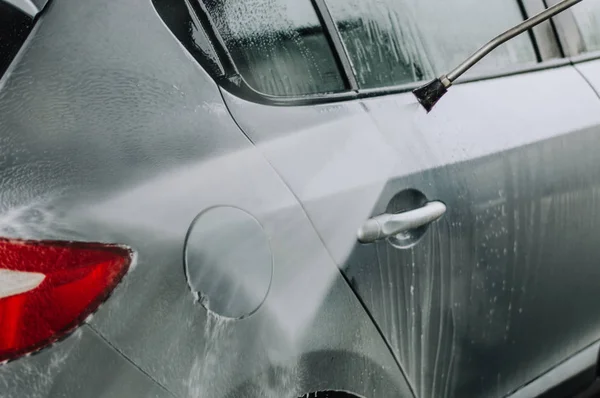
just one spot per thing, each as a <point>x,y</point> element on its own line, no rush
<point>48,288</point>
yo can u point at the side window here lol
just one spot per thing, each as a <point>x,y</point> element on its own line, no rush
<point>278,46</point>
<point>393,42</point>
<point>587,15</point>
<point>14,29</point>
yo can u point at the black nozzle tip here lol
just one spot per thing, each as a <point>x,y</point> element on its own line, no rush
<point>429,94</point>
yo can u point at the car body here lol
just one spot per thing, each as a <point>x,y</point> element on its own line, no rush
<point>145,124</point>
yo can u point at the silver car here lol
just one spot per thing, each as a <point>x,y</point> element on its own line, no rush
<point>243,198</point>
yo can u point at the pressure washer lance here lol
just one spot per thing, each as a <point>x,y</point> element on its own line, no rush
<point>429,94</point>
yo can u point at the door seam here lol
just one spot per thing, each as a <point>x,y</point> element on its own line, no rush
<point>574,65</point>
<point>337,266</point>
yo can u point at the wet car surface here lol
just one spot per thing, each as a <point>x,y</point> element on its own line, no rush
<point>236,148</point>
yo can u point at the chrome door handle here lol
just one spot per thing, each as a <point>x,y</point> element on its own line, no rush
<point>386,225</point>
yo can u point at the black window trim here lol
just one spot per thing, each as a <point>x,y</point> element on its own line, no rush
<point>209,27</point>
<point>337,44</point>
<point>234,83</point>
<point>19,29</point>
<point>570,38</point>
<point>573,44</point>
<point>567,31</point>
<point>545,33</point>
<point>531,33</point>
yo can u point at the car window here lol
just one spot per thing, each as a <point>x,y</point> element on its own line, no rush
<point>392,42</point>
<point>587,15</point>
<point>278,46</point>
<point>14,29</point>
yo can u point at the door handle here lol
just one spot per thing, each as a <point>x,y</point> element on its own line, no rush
<point>387,225</point>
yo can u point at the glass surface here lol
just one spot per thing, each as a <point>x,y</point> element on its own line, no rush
<point>14,29</point>
<point>392,42</point>
<point>278,46</point>
<point>587,15</point>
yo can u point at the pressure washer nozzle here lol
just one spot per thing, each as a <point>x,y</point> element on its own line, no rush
<point>429,94</point>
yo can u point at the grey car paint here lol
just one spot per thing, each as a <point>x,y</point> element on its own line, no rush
<point>591,71</point>
<point>83,365</point>
<point>504,286</point>
<point>111,132</point>
<point>569,368</point>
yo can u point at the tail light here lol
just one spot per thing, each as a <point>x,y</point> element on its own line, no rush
<point>47,289</point>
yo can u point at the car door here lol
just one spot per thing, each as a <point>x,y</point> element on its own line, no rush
<point>497,293</point>
<point>500,290</point>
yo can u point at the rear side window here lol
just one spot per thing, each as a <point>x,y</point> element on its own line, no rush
<point>587,15</point>
<point>278,46</point>
<point>14,29</point>
<point>394,42</point>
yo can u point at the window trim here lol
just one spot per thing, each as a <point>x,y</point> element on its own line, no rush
<point>573,41</point>
<point>224,56</point>
<point>19,31</point>
<point>248,93</point>
<point>523,4</point>
<point>567,31</point>
<point>340,52</point>
<point>234,83</point>
<point>545,33</point>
